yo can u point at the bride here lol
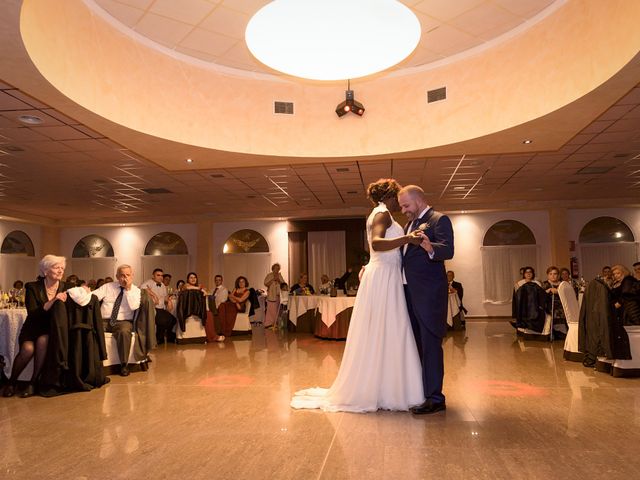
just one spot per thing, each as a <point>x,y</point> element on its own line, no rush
<point>380,366</point>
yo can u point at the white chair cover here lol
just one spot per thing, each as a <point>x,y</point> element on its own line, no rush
<point>112,350</point>
<point>243,324</point>
<point>629,368</point>
<point>194,331</point>
<point>572,314</point>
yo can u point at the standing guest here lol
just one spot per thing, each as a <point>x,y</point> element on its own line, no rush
<point>120,300</point>
<point>303,287</point>
<point>92,284</point>
<point>164,320</point>
<point>179,286</point>
<point>99,282</point>
<point>219,295</point>
<point>426,290</point>
<point>553,304</point>
<point>284,306</point>
<point>166,279</point>
<point>272,281</point>
<point>636,270</point>
<point>40,297</point>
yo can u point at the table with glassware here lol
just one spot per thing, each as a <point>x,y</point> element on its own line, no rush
<point>11,320</point>
<point>324,316</point>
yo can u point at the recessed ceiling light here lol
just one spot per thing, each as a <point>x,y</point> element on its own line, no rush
<point>189,160</point>
<point>459,188</point>
<point>527,142</point>
<point>30,119</point>
<point>343,39</point>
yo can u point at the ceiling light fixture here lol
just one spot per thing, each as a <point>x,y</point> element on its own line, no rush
<point>350,104</point>
<point>30,120</point>
<point>527,142</point>
<point>189,160</point>
<point>332,39</point>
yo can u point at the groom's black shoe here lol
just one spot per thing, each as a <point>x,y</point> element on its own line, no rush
<point>428,407</point>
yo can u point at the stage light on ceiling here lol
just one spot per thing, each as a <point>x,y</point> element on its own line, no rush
<point>350,104</point>
<point>332,39</point>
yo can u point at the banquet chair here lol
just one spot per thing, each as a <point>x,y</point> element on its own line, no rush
<point>194,331</point>
<point>243,323</point>
<point>572,314</point>
<point>111,365</point>
<point>629,368</point>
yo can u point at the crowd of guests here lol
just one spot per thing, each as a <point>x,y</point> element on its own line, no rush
<point>534,300</point>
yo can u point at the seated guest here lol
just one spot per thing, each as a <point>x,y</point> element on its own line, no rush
<point>565,276</point>
<point>72,281</point>
<point>166,279</point>
<point>237,302</point>
<point>120,300</point>
<point>283,316</point>
<point>527,307</point>
<point>164,320</point>
<point>553,305</point>
<point>40,297</point>
<point>18,284</point>
<point>108,279</point>
<point>92,284</point>
<point>625,296</point>
<point>99,283</point>
<point>272,281</point>
<point>636,270</point>
<point>325,285</point>
<point>607,276</point>
<point>180,286</point>
<point>456,287</point>
<point>193,284</point>
<point>303,287</point>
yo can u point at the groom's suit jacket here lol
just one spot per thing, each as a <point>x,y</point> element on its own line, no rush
<point>426,277</point>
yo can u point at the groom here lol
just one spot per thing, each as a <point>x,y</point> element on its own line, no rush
<point>426,289</point>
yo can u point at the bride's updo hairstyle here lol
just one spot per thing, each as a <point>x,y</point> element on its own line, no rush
<point>382,190</point>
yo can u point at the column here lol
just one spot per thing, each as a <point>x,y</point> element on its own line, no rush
<point>559,232</point>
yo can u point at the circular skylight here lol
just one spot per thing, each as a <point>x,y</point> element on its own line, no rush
<point>332,39</point>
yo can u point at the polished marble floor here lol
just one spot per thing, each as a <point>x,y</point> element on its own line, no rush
<point>515,410</point>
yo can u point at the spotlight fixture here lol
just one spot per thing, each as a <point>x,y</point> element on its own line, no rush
<point>350,104</point>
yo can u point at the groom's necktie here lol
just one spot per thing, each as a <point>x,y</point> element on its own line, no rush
<point>116,308</point>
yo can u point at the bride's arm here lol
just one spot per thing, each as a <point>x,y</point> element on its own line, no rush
<point>381,222</point>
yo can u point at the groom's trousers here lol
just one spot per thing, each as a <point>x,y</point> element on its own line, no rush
<point>431,355</point>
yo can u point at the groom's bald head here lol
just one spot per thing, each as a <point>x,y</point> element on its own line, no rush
<point>412,201</point>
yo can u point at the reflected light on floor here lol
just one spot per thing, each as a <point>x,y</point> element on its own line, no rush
<point>503,388</point>
<point>226,381</point>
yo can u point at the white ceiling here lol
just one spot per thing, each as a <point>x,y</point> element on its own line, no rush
<point>213,30</point>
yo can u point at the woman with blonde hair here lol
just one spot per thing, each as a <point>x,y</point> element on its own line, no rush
<point>40,297</point>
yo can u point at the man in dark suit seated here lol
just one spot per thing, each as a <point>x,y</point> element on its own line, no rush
<point>456,287</point>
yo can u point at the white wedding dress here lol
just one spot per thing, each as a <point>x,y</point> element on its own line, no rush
<point>380,366</point>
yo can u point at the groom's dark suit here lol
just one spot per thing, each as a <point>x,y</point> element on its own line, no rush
<point>426,292</point>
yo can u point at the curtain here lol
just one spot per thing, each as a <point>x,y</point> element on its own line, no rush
<point>175,265</point>
<point>17,267</point>
<point>327,255</point>
<point>596,255</point>
<point>92,268</point>
<point>501,269</point>
<point>297,255</point>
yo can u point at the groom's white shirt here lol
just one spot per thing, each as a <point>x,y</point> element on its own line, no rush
<point>404,249</point>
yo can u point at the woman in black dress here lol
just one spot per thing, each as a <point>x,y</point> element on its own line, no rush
<point>40,296</point>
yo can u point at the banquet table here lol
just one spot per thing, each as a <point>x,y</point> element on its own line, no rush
<point>303,312</point>
<point>11,320</point>
<point>334,315</point>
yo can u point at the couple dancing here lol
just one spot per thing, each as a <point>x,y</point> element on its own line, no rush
<point>393,357</point>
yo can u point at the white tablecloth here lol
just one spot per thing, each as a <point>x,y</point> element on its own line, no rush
<point>329,307</point>
<point>454,308</point>
<point>11,321</point>
<point>301,304</point>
